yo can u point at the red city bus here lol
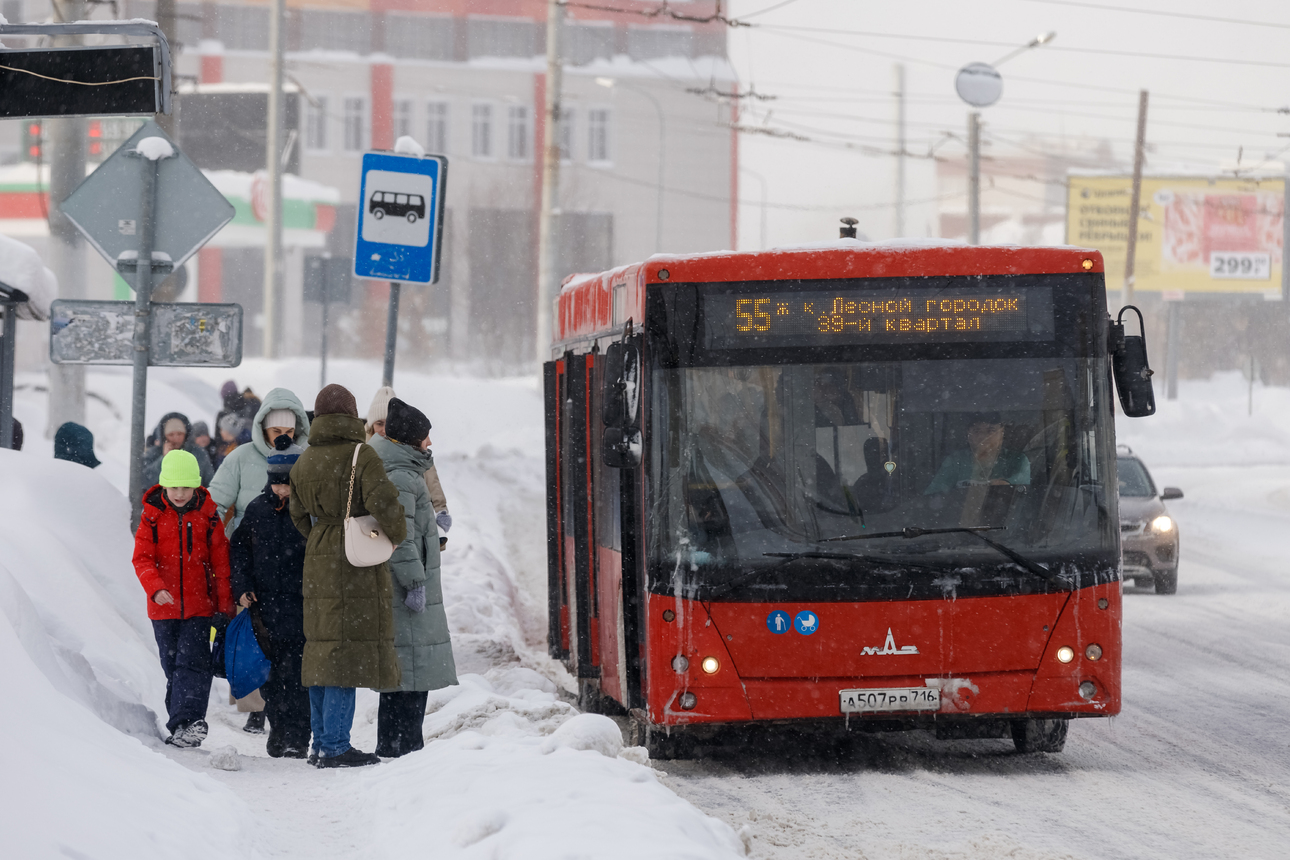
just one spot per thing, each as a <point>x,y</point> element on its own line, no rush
<point>847,486</point>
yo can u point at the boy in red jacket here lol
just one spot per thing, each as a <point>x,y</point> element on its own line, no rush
<point>181,559</point>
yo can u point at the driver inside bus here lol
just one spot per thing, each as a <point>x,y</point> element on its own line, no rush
<point>984,461</point>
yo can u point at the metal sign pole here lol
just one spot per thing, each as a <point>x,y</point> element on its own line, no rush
<point>391,334</point>
<point>322,373</point>
<point>142,335</point>
<point>7,357</point>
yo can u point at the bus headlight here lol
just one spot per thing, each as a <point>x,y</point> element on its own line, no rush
<point>1065,654</point>
<point>688,701</point>
<point>1162,525</point>
<point>1088,689</point>
<point>710,665</point>
<point>1093,652</point>
<point>680,663</point>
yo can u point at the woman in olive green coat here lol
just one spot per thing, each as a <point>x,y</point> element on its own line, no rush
<point>349,629</point>
<point>420,624</point>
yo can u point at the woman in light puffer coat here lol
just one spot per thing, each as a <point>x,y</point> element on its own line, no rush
<point>245,471</point>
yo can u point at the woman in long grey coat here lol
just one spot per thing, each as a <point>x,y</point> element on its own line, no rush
<point>349,633</point>
<point>420,623</point>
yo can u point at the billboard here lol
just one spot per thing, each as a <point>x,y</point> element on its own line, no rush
<point>1196,234</point>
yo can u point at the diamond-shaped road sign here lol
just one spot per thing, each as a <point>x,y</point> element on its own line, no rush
<point>108,206</point>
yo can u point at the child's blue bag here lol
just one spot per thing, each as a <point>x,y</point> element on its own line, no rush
<point>245,664</point>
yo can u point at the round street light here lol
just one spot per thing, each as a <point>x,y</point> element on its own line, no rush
<point>978,84</point>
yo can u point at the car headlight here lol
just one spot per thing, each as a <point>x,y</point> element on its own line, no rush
<point>1162,524</point>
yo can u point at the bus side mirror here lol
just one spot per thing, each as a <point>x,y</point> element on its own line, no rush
<point>1130,368</point>
<point>620,414</point>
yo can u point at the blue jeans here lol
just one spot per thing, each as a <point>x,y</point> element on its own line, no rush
<point>185,651</point>
<point>331,715</point>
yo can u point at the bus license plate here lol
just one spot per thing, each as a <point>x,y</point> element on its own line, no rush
<point>890,699</point>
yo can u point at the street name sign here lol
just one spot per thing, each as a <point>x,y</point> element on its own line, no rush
<point>399,235</point>
<point>183,335</point>
<point>108,207</point>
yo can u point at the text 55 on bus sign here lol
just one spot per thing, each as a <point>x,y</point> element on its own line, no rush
<point>400,218</point>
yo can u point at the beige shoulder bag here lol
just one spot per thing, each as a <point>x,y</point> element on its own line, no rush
<point>365,542</point>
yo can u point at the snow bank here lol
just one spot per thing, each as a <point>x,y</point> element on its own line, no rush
<point>81,676</point>
<point>1210,424</point>
<point>22,268</point>
<point>509,772</point>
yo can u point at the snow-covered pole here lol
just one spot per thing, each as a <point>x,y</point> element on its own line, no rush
<point>550,180</point>
<point>142,328</point>
<point>273,164</point>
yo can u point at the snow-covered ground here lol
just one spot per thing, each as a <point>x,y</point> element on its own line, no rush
<point>511,770</point>
<point>1194,767</point>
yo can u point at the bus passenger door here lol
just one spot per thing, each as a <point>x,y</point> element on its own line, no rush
<point>554,386</point>
<point>576,493</point>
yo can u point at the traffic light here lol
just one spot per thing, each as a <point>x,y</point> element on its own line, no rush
<point>32,140</point>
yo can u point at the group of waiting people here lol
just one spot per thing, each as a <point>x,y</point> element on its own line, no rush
<point>265,534</point>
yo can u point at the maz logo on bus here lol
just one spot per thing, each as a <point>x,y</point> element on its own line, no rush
<point>889,648</point>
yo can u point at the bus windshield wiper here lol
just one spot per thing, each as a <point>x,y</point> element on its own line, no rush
<point>975,531</point>
<point>786,557</point>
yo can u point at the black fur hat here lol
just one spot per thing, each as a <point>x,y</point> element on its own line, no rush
<point>406,424</point>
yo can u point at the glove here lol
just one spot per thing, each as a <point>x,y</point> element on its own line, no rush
<point>444,520</point>
<point>416,599</point>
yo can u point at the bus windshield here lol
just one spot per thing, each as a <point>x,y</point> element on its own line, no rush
<point>758,466</point>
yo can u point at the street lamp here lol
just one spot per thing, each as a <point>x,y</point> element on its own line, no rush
<point>610,83</point>
<point>980,85</point>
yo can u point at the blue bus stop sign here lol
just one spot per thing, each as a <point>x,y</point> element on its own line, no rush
<point>400,218</point>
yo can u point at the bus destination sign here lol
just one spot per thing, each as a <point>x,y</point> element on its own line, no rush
<point>817,318</point>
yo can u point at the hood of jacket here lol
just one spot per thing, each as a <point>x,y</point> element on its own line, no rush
<point>401,457</point>
<point>279,398</point>
<point>188,427</point>
<point>336,429</point>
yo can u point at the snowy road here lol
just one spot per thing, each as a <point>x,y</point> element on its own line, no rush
<point>1194,767</point>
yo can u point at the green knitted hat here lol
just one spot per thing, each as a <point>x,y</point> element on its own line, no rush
<point>180,469</point>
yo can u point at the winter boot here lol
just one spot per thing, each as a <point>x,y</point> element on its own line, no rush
<point>189,736</point>
<point>254,723</point>
<point>349,758</point>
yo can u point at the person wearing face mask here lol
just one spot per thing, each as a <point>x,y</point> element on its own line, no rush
<point>241,478</point>
<point>242,475</point>
<point>181,559</point>
<point>174,433</point>
<point>268,562</point>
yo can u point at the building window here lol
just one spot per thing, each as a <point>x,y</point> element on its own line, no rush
<point>481,131</point>
<point>402,120</point>
<point>316,124</point>
<point>567,123</point>
<point>503,37</point>
<point>437,127</point>
<point>426,37</point>
<point>355,124</point>
<point>598,134</point>
<point>335,31</point>
<point>518,133</point>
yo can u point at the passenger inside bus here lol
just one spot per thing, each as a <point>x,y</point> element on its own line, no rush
<point>984,461</point>
<point>875,490</point>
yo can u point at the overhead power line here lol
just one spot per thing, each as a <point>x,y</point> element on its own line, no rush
<point>991,43</point>
<point>1217,19</point>
<point>663,11</point>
